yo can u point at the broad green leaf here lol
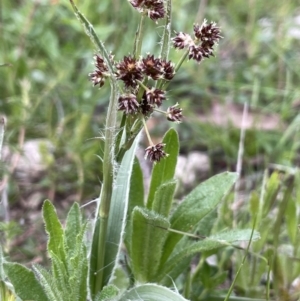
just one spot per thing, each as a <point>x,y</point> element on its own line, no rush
<point>164,170</point>
<point>118,212</point>
<point>202,200</point>
<point>108,293</point>
<point>26,286</point>
<point>136,193</point>
<point>54,230</point>
<point>73,227</point>
<point>148,236</point>
<point>231,298</point>
<point>213,242</point>
<point>163,198</point>
<point>151,292</point>
<point>136,197</point>
<point>206,224</point>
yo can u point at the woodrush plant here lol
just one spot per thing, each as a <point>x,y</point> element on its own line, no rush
<point>158,247</point>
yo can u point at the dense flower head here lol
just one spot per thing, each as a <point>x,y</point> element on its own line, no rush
<point>155,8</point>
<point>100,64</point>
<point>207,32</point>
<point>152,66</point>
<point>195,53</point>
<point>182,40</point>
<point>98,76</point>
<point>168,69</point>
<point>155,153</point>
<point>129,71</point>
<point>206,36</point>
<point>128,103</point>
<point>155,97</point>
<point>174,113</point>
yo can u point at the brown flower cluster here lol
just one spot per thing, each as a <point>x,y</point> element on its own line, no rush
<point>131,70</point>
<point>155,153</point>
<point>138,97</point>
<point>205,37</point>
<point>143,78</point>
<point>98,76</point>
<point>153,8</point>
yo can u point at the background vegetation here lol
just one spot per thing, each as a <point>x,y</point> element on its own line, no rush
<point>45,94</point>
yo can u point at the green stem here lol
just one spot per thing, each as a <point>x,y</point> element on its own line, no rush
<point>165,41</point>
<point>178,65</point>
<point>164,83</point>
<point>100,232</point>
<point>147,132</point>
<point>106,191</point>
<point>143,85</point>
<point>276,230</point>
<point>241,265</point>
<point>89,29</point>
<point>138,38</point>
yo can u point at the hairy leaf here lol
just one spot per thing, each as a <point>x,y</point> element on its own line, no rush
<point>151,292</point>
<point>26,286</point>
<point>73,227</point>
<point>54,230</point>
<point>148,236</point>
<point>136,197</point>
<point>108,293</point>
<point>163,198</point>
<point>202,200</point>
<point>213,242</point>
<point>48,283</point>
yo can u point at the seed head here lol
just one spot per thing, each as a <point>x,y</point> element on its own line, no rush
<point>182,40</point>
<point>100,64</point>
<point>155,152</point>
<point>155,97</point>
<point>129,71</point>
<point>168,69</point>
<point>154,8</point>
<point>98,76</point>
<point>207,32</point>
<point>174,114</point>
<point>206,36</point>
<point>128,104</point>
<point>195,53</point>
<point>152,66</point>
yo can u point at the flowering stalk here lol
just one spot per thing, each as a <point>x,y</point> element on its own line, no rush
<point>138,38</point>
<point>139,93</point>
<point>98,251</point>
